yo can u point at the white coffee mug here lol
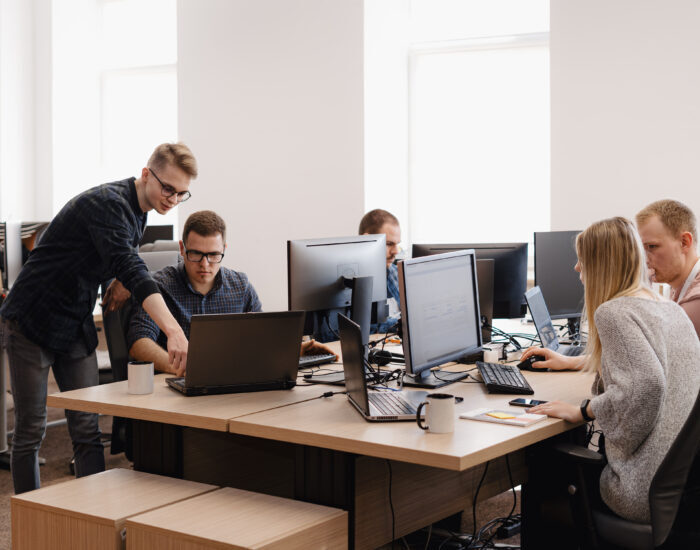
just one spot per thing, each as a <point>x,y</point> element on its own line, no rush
<point>493,353</point>
<point>440,413</point>
<point>140,377</point>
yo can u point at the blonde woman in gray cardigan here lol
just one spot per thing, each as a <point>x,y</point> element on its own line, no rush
<point>646,356</point>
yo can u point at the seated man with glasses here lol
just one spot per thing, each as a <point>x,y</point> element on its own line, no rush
<point>198,285</point>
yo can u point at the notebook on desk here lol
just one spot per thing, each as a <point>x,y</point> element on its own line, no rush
<point>376,406</point>
<point>242,352</point>
<point>543,324</point>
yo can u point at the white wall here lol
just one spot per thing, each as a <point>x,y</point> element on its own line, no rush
<point>386,108</point>
<point>625,107</point>
<point>271,103</point>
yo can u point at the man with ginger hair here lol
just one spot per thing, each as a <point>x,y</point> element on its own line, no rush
<point>668,230</point>
<point>47,317</point>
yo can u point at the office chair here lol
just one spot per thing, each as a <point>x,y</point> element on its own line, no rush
<point>674,497</point>
<point>160,246</point>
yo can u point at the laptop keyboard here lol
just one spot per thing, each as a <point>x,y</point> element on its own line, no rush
<point>390,404</point>
<point>503,378</point>
<point>573,351</point>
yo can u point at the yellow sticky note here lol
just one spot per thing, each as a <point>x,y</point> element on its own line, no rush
<point>500,415</point>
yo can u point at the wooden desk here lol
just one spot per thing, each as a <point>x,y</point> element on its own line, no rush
<point>322,451</point>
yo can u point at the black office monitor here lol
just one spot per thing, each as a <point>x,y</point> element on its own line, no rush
<point>330,276</point>
<point>4,282</point>
<point>30,234</point>
<point>555,258</point>
<point>510,272</point>
<point>154,233</point>
<point>440,315</point>
<point>484,271</point>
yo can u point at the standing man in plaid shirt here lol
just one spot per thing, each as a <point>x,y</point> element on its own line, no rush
<point>47,316</point>
<point>198,285</point>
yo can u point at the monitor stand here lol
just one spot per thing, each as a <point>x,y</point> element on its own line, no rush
<point>428,378</point>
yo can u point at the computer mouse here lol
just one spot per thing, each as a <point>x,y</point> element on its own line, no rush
<point>527,364</point>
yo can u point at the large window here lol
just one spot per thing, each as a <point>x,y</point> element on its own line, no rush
<point>138,85</point>
<point>478,120</point>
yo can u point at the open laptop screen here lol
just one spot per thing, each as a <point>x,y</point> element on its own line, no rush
<point>541,318</point>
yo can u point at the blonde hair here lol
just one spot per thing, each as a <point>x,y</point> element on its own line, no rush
<point>675,216</point>
<point>612,262</point>
<point>176,154</point>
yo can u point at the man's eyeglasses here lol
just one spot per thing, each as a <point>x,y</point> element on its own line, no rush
<point>168,190</point>
<point>196,256</point>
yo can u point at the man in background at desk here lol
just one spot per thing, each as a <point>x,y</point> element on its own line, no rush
<point>377,222</point>
<point>669,233</point>
<point>199,285</point>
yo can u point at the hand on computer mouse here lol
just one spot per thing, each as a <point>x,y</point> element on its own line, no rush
<point>551,360</point>
<point>530,363</point>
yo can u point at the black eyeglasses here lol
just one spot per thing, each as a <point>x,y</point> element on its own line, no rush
<point>168,190</point>
<point>197,255</point>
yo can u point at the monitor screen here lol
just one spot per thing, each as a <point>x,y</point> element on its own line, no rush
<point>439,309</point>
<point>320,274</point>
<point>555,258</point>
<point>510,272</point>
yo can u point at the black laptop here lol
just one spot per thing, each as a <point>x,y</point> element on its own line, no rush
<point>382,406</point>
<point>242,352</point>
<point>543,324</point>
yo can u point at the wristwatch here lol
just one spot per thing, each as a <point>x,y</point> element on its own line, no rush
<point>584,411</point>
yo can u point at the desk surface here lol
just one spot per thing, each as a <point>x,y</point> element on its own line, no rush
<point>333,423</point>
<point>210,412</point>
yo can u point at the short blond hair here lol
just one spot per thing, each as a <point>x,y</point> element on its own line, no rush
<point>175,154</point>
<point>613,264</point>
<point>675,216</point>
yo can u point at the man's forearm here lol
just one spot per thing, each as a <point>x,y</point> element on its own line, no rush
<point>156,307</point>
<point>145,349</point>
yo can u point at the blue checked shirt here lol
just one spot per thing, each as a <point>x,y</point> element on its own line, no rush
<point>92,239</point>
<point>232,293</point>
<point>392,283</point>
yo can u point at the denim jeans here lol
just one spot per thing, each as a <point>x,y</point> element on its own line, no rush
<point>29,370</point>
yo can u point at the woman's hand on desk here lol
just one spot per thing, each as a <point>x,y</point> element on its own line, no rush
<point>554,360</point>
<point>559,409</point>
<point>312,347</point>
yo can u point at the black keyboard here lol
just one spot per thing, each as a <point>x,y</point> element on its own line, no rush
<point>306,361</point>
<point>389,404</point>
<point>503,378</point>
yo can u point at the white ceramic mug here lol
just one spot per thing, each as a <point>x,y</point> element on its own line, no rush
<point>493,353</point>
<point>140,377</point>
<point>440,413</point>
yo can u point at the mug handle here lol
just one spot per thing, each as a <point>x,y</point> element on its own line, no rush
<point>418,418</point>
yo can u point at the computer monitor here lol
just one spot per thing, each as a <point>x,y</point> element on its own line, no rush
<point>440,315</point>
<point>30,234</point>
<point>154,233</point>
<point>555,258</point>
<point>510,272</point>
<point>484,272</point>
<point>336,275</point>
<point>4,283</point>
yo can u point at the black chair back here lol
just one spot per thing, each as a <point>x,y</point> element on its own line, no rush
<point>669,482</point>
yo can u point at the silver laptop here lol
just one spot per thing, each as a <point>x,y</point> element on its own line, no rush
<point>543,324</point>
<point>242,352</point>
<point>384,406</point>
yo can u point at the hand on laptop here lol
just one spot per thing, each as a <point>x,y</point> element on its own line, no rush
<point>554,360</point>
<point>312,347</point>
